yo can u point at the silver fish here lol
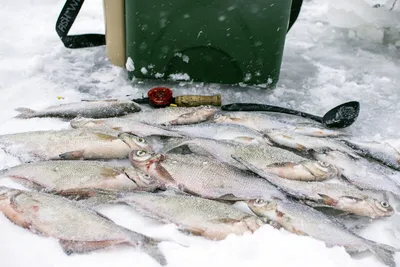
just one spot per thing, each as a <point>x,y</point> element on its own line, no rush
<point>202,176</point>
<point>174,115</point>
<point>359,172</point>
<point>122,125</point>
<point>78,229</point>
<point>85,108</point>
<point>71,144</point>
<point>303,220</point>
<point>333,194</point>
<point>74,176</point>
<point>382,152</point>
<point>306,143</point>
<point>210,219</point>
<point>237,133</point>
<point>281,162</point>
<point>261,121</point>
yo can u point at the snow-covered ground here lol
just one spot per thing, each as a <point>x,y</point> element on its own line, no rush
<point>332,55</point>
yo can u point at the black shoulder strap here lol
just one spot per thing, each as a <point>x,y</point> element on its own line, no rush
<point>64,23</point>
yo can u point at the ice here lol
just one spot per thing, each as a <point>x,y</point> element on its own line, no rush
<point>130,66</point>
<point>331,56</point>
<point>366,22</point>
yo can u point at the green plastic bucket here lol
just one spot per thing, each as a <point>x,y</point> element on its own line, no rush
<point>225,41</point>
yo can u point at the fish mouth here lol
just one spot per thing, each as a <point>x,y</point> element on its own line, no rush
<point>321,170</point>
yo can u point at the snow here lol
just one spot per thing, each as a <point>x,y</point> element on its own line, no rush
<point>130,65</point>
<point>331,56</point>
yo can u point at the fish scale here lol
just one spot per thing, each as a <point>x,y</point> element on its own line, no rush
<point>209,218</point>
<point>359,172</point>
<point>264,121</point>
<point>328,193</point>
<point>276,160</point>
<point>69,222</point>
<point>174,116</point>
<point>303,220</point>
<point>90,144</point>
<point>237,133</point>
<point>206,177</point>
<point>77,175</point>
<point>122,125</point>
<point>88,108</point>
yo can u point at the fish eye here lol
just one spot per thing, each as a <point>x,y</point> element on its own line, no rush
<point>259,202</point>
<point>141,140</point>
<point>384,204</point>
<point>323,164</point>
<point>141,153</point>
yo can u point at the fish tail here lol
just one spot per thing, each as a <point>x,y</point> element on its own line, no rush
<point>383,252</point>
<point>152,249</point>
<point>26,113</point>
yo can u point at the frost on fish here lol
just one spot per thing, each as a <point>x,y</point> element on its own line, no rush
<point>302,220</point>
<point>334,194</point>
<point>237,133</point>
<point>361,172</point>
<point>126,125</point>
<point>210,219</point>
<point>71,144</point>
<point>68,222</point>
<point>202,176</point>
<point>264,121</point>
<point>305,143</point>
<point>174,115</point>
<point>85,108</point>
<point>382,152</point>
<point>69,177</point>
<point>281,162</point>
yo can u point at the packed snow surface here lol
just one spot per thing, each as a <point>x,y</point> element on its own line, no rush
<point>337,51</point>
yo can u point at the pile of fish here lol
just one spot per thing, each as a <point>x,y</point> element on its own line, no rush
<point>187,166</point>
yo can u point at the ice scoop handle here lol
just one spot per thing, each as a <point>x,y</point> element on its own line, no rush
<point>198,100</point>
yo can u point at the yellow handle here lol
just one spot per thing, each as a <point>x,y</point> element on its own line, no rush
<point>197,100</point>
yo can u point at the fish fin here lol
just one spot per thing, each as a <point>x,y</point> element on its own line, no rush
<point>90,197</point>
<point>327,200</point>
<point>225,220</point>
<point>383,252</point>
<point>70,246</point>
<point>156,254</point>
<point>72,155</point>
<point>192,230</point>
<point>26,113</point>
<point>14,216</point>
<point>109,172</point>
<point>229,197</point>
<point>282,164</point>
<point>164,173</point>
<point>247,139</point>
<point>298,232</point>
<point>25,182</point>
<point>106,137</point>
<point>354,198</point>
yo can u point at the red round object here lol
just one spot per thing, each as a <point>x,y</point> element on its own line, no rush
<point>160,96</point>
